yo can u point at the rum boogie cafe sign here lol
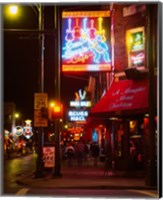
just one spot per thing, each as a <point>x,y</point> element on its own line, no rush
<point>86,41</point>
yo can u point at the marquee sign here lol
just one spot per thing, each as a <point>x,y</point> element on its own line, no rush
<point>86,41</point>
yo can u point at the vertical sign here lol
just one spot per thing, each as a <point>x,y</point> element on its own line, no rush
<point>136,47</point>
<point>40,101</point>
<point>86,41</point>
<point>48,157</point>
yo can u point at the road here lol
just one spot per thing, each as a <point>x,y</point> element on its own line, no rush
<point>24,166</point>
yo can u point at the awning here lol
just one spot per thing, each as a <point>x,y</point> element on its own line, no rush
<point>123,97</point>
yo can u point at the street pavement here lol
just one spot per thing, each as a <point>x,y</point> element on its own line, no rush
<point>86,176</point>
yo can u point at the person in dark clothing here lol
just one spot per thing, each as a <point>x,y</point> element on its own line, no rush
<point>95,152</point>
<point>70,152</point>
<point>108,164</point>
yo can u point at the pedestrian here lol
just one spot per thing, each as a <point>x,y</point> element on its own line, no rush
<point>70,152</point>
<point>95,152</point>
<point>80,150</point>
<point>108,164</point>
<point>86,152</point>
<point>20,147</point>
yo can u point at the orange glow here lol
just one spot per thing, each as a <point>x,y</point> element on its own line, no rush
<point>57,108</point>
<point>75,68</point>
<point>86,14</point>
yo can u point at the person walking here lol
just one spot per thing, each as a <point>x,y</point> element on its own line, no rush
<point>80,150</point>
<point>108,164</point>
<point>95,152</point>
<point>70,152</point>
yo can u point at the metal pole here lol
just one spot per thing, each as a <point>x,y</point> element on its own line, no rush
<point>151,178</point>
<point>57,167</point>
<point>112,44</point>
<point>39,164</point>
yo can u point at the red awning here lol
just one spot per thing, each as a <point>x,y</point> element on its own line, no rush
<point>124,97</point>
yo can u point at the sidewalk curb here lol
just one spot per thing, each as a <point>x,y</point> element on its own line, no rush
<point>29,181</point>
<point>101,187</point>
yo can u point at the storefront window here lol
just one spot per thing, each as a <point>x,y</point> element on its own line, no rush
<point>136,144</point>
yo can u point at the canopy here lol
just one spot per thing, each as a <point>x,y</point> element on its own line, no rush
<point>124,97</point>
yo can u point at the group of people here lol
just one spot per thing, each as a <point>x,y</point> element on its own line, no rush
<point>81,151</point>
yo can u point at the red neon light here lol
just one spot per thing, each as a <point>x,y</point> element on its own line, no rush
<point>78,68</point>
<point>86,45</point>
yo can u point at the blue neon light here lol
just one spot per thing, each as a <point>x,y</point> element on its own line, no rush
<point>83,44</point>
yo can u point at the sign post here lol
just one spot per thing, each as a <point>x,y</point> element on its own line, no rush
<point>40,101</point>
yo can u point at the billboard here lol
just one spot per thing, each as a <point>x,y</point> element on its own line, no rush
<point>86,41</point>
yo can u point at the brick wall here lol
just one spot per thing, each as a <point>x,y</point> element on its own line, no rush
<point>121,25</point>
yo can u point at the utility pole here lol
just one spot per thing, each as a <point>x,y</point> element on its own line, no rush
<point>39,164</point>
<point>57,22</point>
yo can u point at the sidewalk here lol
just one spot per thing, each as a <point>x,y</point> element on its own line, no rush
<point>86,177</point>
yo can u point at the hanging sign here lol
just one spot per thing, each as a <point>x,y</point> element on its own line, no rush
<point>86,41</point>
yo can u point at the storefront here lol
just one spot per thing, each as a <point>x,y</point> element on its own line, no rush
<point>124,112</point>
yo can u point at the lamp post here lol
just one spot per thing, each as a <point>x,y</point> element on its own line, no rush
<point>39,164</point>
<point>13,10</point>
<point>57,168</point>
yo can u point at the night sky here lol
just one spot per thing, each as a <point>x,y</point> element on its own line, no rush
<point>21,64</point>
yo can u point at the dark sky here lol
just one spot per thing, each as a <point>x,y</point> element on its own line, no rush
<point>21,64</point>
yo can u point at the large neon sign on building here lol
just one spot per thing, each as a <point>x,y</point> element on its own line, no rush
<point>86,41</point>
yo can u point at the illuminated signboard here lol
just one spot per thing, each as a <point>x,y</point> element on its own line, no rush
<point>80,100</point>
<point>86,41</point>
<point>78,115</point>
<point>28,129</point>
<point>80,103</point>
<point>136,47</point>
<point>94,136</point>
<point>18,130</point>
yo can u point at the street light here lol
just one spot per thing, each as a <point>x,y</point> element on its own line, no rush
<point>12,10</point>
<point>41,33</point>
<point>17,115</point>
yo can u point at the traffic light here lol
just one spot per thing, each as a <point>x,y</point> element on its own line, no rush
<point>55,111</point>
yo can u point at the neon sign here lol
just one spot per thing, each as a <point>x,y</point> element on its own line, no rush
<point>80,100</point>
<point>78,115</point>
<point>85,41</point>
<point>136,47</point>
<point>18,130</point>
<point>28,129</point>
